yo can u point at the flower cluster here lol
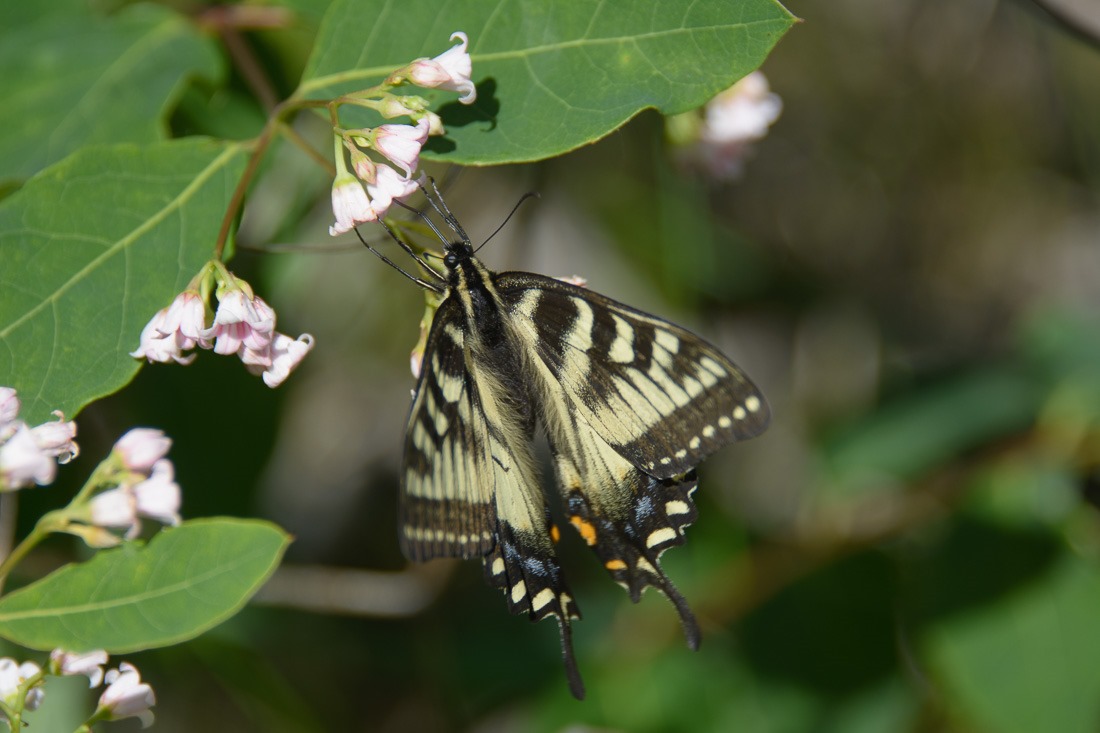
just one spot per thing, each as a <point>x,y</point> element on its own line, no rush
<point>29,455</point>
<point>146,487</point>
<point>126,696</point>
<point>366,191</point>
<point>244,325</point>
<point>718,143</point>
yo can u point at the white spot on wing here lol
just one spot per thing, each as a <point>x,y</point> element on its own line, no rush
<point>667,340</point>
<point>622,348</point>
<point>677,507</point>
<point>660,536</point>
<point>724,422</point>
<point>542,598</point>
<point>752,404</point>
<point>519,590</point>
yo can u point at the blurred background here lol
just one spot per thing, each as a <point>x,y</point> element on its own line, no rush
<point>908,266</point>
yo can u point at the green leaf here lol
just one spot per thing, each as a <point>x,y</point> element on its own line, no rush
<point>91,248</point>
<point>931,426</point>
<point>550,76</point>
<point>1030,662</point>
<point>186,580</point>
<point>74,78</point>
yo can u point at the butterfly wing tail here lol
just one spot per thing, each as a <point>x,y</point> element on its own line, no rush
<point>629,543</point>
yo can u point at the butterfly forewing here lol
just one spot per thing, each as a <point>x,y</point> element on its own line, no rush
<point>664,398</point>
<point>446,507</point>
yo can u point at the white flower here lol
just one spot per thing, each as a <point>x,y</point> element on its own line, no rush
<point>127,696</point>
<point>158,497</point>
<point>402,143</point>
<point>155,346</point>
<point>22,462</point>
<point>13,675</point>
<point>241,322</point>
<point>140,448</point>
<point>349,204</point>
<point>742,113</point>
<point>115,508</point>
<point>388,185</point>
<point>186,320</point>
<point>88,663</point>
<point>9,409</point>
<point>55,438</point>
<point>731,122</point>
<point>449,70</point>
<point>286,354</point>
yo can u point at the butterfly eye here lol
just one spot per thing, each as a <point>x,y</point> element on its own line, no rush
<point>450,260</point>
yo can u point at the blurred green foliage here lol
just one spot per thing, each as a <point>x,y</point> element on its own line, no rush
<point>909,267</point>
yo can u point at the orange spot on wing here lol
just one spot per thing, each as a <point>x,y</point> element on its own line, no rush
<point>587,529</point>
<point>555,534</point>
<point>614,565</point>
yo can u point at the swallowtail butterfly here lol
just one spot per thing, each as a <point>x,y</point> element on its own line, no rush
<point>630,403</point>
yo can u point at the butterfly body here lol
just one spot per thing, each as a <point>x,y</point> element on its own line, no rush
<point>630,404</point>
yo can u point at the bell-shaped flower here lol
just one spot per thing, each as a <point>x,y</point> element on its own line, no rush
<point>9,409</point>
<point>140,448</point>
<point>89,664</point>
<point>402,143</point>
<point>449,70</point>
<point>241,321</point>
<point>158,497</point>
<point>286,355</point>
<point>126,696</point>
<point>12,676</point>
<point>56,438</point>
<point>743,112</point>
<point>115,508</point>
<point>350,204</point>
<point>155,346</point>
<point>23,462</point>
<point>186,320</point>
<point>388,185</point>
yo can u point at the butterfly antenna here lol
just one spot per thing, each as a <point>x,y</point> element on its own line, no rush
<point>528,195</point>
<point>440,207</point>
<point>426,219</point>
<point>419,281</point>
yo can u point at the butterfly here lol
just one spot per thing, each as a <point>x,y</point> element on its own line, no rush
<point>629,402</point>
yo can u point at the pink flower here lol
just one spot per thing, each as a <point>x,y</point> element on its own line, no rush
<point>89,664</point>
<point>158,497</point>
<point>350,205</point>
<point>186,320</point>
<point>241,322</point>
<point>140,448</point>
<point>9,408</point>
<point>155,346</point>
<point>732,121</point>
<point>388,185</point>
<point>23,462</point>
<point>286,355</point>
<point>449,70</point>
<point>402,143</point>
<point>55,439</point>
<point>127,696</point>
<point>13,675</point>
<point>116,508</point>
